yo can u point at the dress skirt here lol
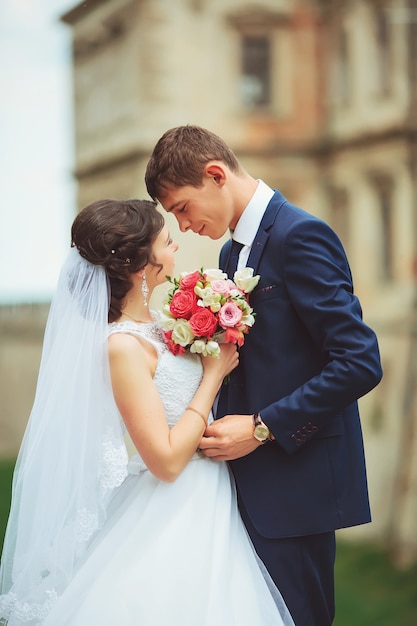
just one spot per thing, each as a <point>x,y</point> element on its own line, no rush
<point>172,554</point>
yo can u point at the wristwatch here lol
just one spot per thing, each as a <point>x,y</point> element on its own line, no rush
<point>260,430</point>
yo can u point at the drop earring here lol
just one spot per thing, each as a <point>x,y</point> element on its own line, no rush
<point>145,290</point>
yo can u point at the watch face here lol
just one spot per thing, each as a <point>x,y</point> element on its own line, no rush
<point>261,433</point>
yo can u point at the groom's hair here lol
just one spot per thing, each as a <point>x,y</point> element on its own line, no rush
<point>180,156</point>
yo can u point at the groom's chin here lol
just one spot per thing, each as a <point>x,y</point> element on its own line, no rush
<point>214,236</point>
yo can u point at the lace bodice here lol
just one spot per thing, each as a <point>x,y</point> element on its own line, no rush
<point>176,377</point>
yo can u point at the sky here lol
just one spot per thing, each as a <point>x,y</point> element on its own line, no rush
<point>36,147</point>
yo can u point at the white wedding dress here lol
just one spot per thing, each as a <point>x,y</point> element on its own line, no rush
<point>171,554</point>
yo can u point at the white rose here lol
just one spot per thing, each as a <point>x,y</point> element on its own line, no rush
<point>245,279</point>
<point>182,333</point>
<point>214,275</point>
<point>166,319</point>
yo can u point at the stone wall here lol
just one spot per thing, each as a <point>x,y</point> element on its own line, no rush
<point>21,336</point>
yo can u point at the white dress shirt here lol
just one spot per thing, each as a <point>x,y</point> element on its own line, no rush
<point>249,221</point>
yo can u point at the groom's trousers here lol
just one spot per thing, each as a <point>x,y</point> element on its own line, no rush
<point>303,570</point>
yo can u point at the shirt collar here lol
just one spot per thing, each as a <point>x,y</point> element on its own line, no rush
<point>249,221</point>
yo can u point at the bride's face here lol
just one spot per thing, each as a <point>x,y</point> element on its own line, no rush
<point>164,249</point>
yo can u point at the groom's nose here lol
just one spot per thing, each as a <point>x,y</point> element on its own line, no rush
<point>184,223</point>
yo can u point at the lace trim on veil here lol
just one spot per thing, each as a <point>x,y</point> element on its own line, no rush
<point>24,612</point>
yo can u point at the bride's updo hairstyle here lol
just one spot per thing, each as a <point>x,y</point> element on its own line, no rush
<point>118,235</point>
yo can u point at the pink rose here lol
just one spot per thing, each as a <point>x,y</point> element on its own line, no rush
<point>189,281</point>
<point>183,304</point>
<point>229,315</point>
<point>220,286</point>
<point>203,323</point>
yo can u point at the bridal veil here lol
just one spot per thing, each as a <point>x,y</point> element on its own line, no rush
<point>73,454</point>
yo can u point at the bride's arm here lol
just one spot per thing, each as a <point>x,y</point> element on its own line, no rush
<point>165,451</point>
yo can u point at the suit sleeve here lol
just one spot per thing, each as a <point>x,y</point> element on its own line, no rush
<point>319,286</point>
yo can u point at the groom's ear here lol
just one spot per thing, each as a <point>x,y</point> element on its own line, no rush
<point>216,171</point>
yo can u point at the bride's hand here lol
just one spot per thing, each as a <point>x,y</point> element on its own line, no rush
<point>227,361</point>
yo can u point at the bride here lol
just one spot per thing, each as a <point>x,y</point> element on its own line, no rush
<point>93,538</point>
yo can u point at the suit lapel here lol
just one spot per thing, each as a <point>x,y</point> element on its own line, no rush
<point>257,248</point>
<point>262,236</point>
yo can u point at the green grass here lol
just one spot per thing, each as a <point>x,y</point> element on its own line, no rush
<point>369,590</point>
<point>6,474</point>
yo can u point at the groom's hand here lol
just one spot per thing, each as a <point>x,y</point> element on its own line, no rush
<point>229,438</point>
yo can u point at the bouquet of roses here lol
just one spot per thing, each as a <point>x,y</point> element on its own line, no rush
<point>205,308</point>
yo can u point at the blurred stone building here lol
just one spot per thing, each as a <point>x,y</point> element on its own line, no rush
<point>318,98</point>
<point>21,334</point>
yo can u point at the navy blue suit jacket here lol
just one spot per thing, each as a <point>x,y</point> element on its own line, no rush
<point>304,364</point>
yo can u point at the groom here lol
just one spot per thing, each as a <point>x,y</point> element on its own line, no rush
<point>288,421</point>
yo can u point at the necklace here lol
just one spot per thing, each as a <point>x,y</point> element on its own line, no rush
<point>135,320</point>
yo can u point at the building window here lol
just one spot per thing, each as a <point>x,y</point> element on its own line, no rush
<point>385,202</point>
<point>384,52</point>
<point>255,81</point>
<point>383,186</point>
<point>339,213</point>
<point>342,67</point>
